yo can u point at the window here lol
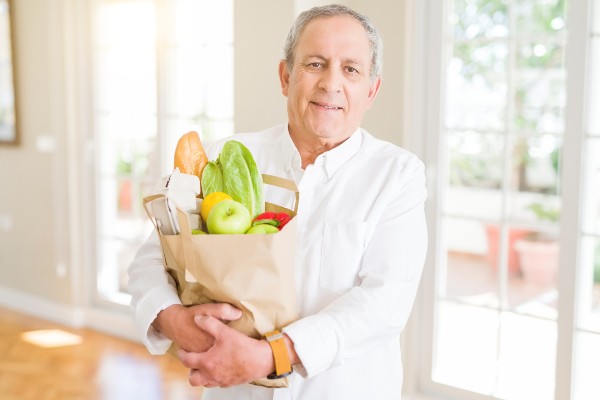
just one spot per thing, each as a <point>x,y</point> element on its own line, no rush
<point>161,68</point>
<point>499,320</point>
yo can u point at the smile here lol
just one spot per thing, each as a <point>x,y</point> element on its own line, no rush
<point>326,106</point>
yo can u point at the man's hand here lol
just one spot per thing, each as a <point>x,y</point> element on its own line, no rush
<point>233,359</point>
<point>176,322</point>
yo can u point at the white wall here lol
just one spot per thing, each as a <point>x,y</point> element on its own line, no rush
<point>32,199</point>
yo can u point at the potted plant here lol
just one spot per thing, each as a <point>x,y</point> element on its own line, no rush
<point>538,253</point>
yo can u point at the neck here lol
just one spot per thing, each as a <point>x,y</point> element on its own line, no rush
<point>311,148</point>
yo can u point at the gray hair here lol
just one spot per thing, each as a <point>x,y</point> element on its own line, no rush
<point>329,11</point>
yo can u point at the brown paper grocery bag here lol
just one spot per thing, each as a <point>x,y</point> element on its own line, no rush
<point>254,273</point>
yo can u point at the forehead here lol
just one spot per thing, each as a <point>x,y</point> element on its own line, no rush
<point>334,35</point>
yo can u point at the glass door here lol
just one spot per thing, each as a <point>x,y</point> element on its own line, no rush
<point>161,68</point>
<point>502,131</point>
<point>513,302</point>
<point>587,300</point>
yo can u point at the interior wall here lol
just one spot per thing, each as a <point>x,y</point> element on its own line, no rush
<point>259,32</point>
<point>33,252</point>
<point>386,118</point>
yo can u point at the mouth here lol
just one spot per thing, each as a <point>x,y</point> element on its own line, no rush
<point>326,106</point>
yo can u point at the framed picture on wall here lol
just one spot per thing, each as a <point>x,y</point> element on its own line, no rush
<point>8,113</point>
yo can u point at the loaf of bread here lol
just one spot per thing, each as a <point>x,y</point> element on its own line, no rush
<point>190,156</point>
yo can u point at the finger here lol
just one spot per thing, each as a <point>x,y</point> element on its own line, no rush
<point>196,378</point>
<point>190,359</point>
<point>210,325</point>
<point>223,311</point>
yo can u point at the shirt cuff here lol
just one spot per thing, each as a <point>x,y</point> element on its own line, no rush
<point>147,309</point>
<point>317,343</point>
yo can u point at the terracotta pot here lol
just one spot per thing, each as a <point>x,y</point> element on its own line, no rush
<point>538,261</point>
<point>493,239</point>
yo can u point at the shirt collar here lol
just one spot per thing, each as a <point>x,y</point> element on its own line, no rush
<point>332,159</point>
<point>290,154</point>
<point>336,157</point>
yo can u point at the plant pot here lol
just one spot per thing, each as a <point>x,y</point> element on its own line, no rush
<point>538,261</point>
<point>493,240</point>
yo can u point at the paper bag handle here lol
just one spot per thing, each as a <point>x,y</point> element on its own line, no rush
<point>284,184</point>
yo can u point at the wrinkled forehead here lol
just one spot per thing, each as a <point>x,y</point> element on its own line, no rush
<point>334,34</point>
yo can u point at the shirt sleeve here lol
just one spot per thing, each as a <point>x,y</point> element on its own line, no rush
<point>152,290</point>
<point>375,311</point>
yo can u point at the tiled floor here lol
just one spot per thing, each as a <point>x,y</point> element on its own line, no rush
<point>472,280</point>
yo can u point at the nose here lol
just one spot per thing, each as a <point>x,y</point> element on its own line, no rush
<point>331,80</point>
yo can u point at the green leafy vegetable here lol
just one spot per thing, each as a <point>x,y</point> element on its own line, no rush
<point>212,178</point>
<point>235,173</point>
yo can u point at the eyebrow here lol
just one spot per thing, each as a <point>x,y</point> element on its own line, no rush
<point>346,61</point>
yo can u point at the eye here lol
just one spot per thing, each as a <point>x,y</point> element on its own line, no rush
<point>352,70</point>
<point>315,64</point>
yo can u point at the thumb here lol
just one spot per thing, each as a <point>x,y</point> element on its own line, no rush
<point>225,312</point>
<point>209,324</point>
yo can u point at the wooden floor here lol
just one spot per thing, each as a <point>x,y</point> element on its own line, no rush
<point>100,367</point>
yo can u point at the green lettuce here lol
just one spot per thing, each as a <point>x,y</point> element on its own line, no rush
<point>212,178</point>
<point>241,178</point>
<point>235,173</point>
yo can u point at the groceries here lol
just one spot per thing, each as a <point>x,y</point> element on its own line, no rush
<point>229,248</point>
<point>233,176</point>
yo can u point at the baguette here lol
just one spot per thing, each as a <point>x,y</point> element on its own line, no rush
<point>190,156</point>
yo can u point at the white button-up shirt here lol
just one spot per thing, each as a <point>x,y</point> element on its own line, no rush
<point>361,247</point>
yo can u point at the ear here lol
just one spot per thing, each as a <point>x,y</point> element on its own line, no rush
<point>284,77</point>
<point>373,90</point>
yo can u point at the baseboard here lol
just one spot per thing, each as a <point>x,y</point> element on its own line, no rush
<point>42,308</point>
<point>105,320</point>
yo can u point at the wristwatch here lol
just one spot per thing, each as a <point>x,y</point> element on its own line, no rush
<point>283,366</point>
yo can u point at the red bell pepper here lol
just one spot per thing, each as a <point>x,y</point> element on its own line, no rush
<point>278,220</point>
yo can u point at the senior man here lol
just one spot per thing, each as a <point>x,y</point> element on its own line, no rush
<point>361,236</point>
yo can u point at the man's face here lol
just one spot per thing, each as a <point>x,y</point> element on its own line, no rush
<point>329,87</point>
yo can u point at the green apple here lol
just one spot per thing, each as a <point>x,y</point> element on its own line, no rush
<point>263,228</point>
<point>198,232</point>
<point>228,217</point>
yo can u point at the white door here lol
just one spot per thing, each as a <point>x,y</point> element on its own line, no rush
<point>512,296</point>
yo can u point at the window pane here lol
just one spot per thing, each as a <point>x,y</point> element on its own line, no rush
<point>503,128</point>
<point>534,196</point>
<point>165,60</point>
<point>591,199</point>
<point>204,21</point>
<point>466,355</point>
<point>476,160</point>
<point>479,19</point>
<point>536,17</point>
<point>596,13</point>
<point>587,335</point>
<point>587,365</point>
<point>593,93</point>
<point>476,86</point>
<point>540,87</point>
<point>527,358</point>
<point>589,285</point>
